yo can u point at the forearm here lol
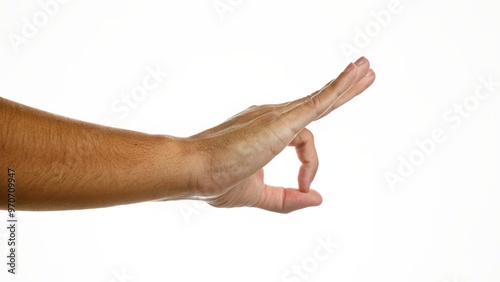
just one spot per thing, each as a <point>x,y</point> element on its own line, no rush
<point>62,163</point>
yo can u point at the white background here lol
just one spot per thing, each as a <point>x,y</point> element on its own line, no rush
<point>441,224</point>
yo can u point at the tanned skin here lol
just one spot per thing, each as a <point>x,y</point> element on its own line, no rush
<point>66,164</point>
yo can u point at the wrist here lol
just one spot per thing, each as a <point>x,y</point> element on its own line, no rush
<point>177,164</point>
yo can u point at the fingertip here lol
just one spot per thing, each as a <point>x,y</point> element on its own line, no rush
<point>317,199</point>
<point>370,73</point>
<point>350,68</point>
<point>304,188</point>
<point>349,75</point>
<point>370,78</point>
<point>296,200</point>
<point>360,61</point>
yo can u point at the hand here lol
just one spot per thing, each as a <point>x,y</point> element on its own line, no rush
<point>234,153</point>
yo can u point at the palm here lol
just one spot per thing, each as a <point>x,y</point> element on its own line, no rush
<point>247,193</point>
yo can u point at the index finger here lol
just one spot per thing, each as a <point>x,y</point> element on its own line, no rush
<point>314,105</point>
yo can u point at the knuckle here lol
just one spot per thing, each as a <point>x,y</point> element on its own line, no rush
<point>269,117</point>
<point>313,103</point>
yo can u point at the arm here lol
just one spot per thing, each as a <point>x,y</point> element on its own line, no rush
<point>67,164</point>
<point>62,163</point>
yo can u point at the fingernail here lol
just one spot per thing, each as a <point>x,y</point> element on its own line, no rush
<point>370,73</point>
<point>360,61</point>
<point>349,68</point>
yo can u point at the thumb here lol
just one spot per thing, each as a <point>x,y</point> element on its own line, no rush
<point>285,200</point>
